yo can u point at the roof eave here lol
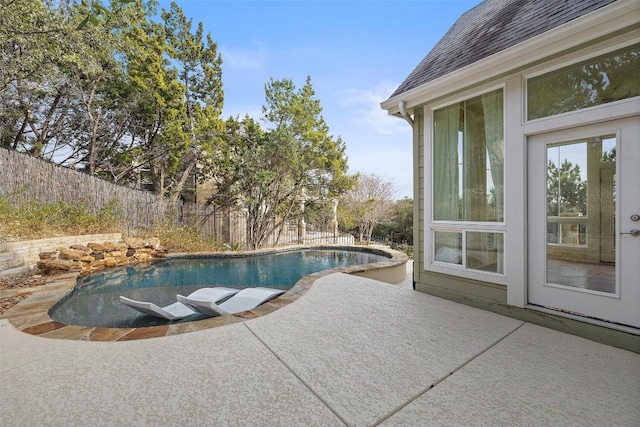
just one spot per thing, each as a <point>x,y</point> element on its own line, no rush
<point>609,19</point>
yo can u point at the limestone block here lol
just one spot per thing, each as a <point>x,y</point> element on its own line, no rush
<point>152,242</point>
<point>66,253</point>
<point>32,253</point>
<point>87,258</point>
<point>80,247</point>
<point>16,262</point>
<point>161,252</point>
<point>97,248</point>
<point>48,255</point>
<point>134,242</point>
<point>97,264</point>
<point>110,262</point>
<point>122,260</point>
<point>116,254</point>
<point>143,257</point>
<point>115,246</point>
<point>7,256</point>
<point>15,246</point>
<point>108,246</point>
<point>57,264</point>
<point>145,251</point>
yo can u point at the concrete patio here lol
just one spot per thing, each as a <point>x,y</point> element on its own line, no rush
<point>351,351</point>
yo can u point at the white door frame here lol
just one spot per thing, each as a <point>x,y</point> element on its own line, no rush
<point>622,307</point>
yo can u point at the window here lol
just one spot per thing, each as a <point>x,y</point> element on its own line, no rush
<point>475,250</point>
<point>607,78</point>
<point>468,184</point>
<point>468,160</point>
<point>567,193</point>
<point>448,247</point>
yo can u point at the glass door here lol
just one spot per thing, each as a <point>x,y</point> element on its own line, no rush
<point>583,198</point>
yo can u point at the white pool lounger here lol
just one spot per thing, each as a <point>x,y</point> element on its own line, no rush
<point>178,310</point>
<point>246,299</point>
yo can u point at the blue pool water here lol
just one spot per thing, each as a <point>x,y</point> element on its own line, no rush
<point>95,299</point>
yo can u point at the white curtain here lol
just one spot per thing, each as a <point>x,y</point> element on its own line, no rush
<point>492,105</point>
<point>480,121</point>
<point>445,163</point>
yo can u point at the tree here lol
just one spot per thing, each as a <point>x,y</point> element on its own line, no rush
<point>566,191</point>
<point>317,160</point>
<point>199,70</point>
<point>74,105</point>
<point>270,172</point>
<point>96,10</point>
<point>44,59</point>
<point>159,103</point>
<point>367,205</point>
<point>103,92</point>
<point>33,38</point>
<point>593,82</point>
<point>107,90</point>
<point>399,226</point>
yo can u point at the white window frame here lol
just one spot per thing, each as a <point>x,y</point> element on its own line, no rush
<point>431,226</point>
<point>611,110</point>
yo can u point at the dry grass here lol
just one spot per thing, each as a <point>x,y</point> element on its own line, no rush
<point>32,220</point>
<point>183,238</point>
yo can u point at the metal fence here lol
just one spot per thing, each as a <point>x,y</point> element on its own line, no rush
<point>229,226</point>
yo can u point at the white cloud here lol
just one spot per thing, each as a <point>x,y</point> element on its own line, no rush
<point>253,57</point>
<point>364,107</point>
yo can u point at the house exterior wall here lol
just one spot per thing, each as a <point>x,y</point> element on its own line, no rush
<point>508,295</point>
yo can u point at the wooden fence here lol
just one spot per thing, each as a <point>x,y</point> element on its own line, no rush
<point>24,178</point>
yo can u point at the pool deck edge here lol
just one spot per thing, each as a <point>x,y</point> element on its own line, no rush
<point>31,315</point>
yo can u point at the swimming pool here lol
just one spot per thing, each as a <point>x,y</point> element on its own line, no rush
<point>95,301</point>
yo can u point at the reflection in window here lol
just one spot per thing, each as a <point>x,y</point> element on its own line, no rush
<point>608,78</point>
<point>448,247</point>
<point>581,209</point>
<point>476,250</point>
<point>485,251</point>
<point>567,180</point>
<point>609,150</point>
<point>567,194</point>
<point>468,157</point>
<point>566,234</point>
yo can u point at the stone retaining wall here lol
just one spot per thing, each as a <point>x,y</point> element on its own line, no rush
<point>75,253</point>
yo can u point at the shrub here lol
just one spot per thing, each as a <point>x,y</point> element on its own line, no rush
<point>183,238</point>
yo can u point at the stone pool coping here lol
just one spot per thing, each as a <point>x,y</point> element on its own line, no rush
<point>31,315</point>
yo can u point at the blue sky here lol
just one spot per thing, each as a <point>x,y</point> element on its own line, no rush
<point>356,52</point>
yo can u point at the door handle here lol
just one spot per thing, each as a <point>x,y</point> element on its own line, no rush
<point>635,232</point>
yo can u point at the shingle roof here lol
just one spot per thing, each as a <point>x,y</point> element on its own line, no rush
<point>490,27</point>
